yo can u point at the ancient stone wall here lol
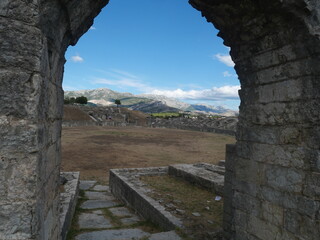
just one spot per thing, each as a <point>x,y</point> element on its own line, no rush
<point>226,125</point>
<point>275,177</point>
<point>34,36</point>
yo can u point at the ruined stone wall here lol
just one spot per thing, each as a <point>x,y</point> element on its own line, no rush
<point>274,181</point>
<point>33,38</point>
<point>222,126</point>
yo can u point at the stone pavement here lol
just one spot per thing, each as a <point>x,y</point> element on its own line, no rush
<point>102,217</point>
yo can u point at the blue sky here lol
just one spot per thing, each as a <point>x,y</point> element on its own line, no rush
<point>158,47</point>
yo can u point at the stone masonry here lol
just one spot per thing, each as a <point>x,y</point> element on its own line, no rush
<point>273,171</point>
<point>34,35</point>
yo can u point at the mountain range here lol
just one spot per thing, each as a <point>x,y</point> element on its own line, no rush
<point>148,103</point>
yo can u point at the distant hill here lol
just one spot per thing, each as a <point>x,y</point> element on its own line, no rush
<point>153,107</point>
<point>148,103</point>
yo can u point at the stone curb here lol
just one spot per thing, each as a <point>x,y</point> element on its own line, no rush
<point>68,201</point>
<point>126,186</point>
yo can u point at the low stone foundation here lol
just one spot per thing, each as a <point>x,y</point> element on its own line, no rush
<point>68,200</point>
<point>125,185</point>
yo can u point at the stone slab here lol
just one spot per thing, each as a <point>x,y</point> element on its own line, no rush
<point>203,174</point>
<point>91,220</point>
<point>101,188</point>
<point>121,234</point>
<point>172,235</point>
<point>85,185</point>
<point>121,212</point>
<point>96,195</point>
<point>130,221</point>
<point>93,204</point>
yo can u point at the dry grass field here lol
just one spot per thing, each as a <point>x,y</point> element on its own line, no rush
<point>95,150</point>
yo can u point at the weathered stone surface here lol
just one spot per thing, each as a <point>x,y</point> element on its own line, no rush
<point>85,185</point>
<point>92,204</point>
<point>31,70</point>
<point>132,234</point>
<point>97,195</point>
<point>275,156</point>
<point>121,212</point>
<point>68,200</point>
<point>130,220</point>
<point>101,188</point>
<point>203,174</point>
<point>91,220</point>
<point>165,235</point>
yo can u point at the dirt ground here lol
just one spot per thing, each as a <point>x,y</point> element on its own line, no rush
<point>95,150</point>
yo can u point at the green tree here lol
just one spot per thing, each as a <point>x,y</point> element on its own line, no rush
<point>118,102</point>
<point>81,100</point>
<point>66,100</point>
<point>72,100</point>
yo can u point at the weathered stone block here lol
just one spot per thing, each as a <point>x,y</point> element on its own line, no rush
<point>312,186</point>
<point>282,155</point>
<point>275,57</point>
<point>251,189</point>
<point>284,179</point>
<point>20,10</point>
<point>27,41</point>
<point>262,229</point>
<point>308,206</point>
<point>247,170</point>
<point>241,219</point>
<point>290,70</point>
<point>272,213</point>
<point>15,220</point>
<point>310,228</point>
<point>246,203</point>
<point>292,221</point>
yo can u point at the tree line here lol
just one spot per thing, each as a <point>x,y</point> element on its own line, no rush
<point>73,100</point>
<point>84,100</point>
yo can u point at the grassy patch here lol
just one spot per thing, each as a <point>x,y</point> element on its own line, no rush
<point>166,114</point>
<point>114,219</point>
<point>183,199</point>
<point>147,226</point>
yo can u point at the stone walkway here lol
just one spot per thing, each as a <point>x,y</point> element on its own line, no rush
<point>102,217</point>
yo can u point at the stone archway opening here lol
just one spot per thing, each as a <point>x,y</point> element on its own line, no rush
<point>273,174</point>
<point>174,54</point>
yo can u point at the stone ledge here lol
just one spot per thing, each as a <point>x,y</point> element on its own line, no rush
<point>203,174</point>
<point>68,200</point>
<point>125,185</point>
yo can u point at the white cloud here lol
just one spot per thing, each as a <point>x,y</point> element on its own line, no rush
<point>122,79</point>
<point>77,58</point>
<point>92,28</point>
<point>227,74</point>
<point>225,59</point>
<point>214,94</point>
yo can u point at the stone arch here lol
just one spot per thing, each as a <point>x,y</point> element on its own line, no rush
<point>273,172</point>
